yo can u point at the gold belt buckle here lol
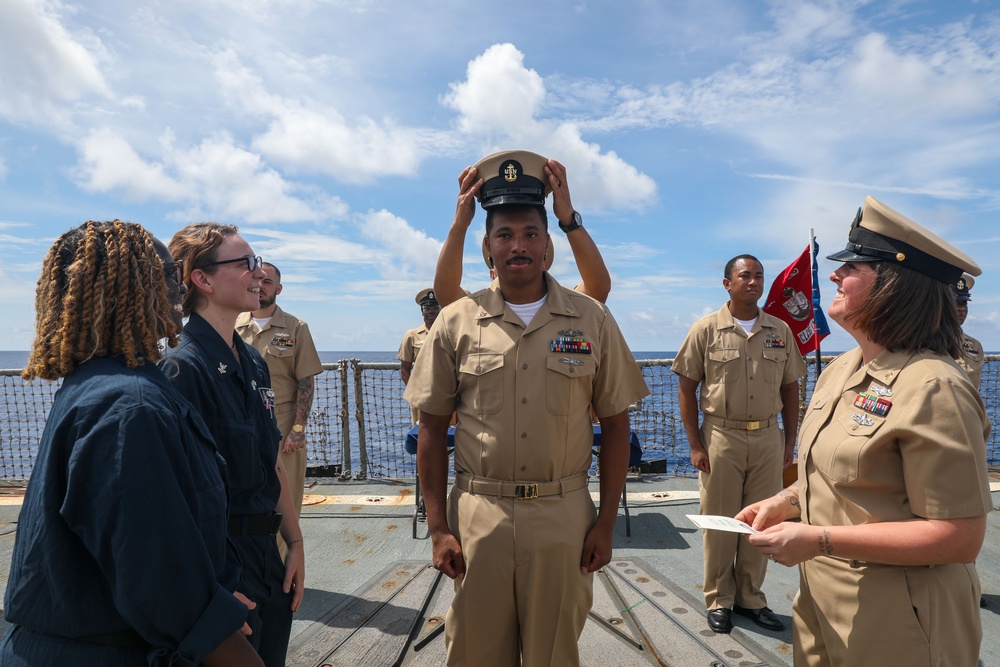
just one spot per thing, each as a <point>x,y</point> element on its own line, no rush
<point>753,426</point>
<point>526,491</point>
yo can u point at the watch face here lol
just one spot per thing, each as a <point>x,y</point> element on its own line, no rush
<point>574,222</point>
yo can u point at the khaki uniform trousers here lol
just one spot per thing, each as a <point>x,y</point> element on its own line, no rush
<point>745,467</point>
<point>918,616</point>
<point>523,600</point>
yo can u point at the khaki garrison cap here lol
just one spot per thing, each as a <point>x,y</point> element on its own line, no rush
<point>550,255</point>
<point>513,177</point>
<point>962,288</point>
<point>880,234</point>
<point>426,296</point>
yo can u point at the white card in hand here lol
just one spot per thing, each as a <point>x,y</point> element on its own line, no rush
<point>715,522</point>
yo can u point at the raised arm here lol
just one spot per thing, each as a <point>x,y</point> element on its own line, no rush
<point>448,273</point>
<point>596,281</point>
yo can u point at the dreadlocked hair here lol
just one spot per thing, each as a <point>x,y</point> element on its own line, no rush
<point>102,293</point>
<point>197,246</point>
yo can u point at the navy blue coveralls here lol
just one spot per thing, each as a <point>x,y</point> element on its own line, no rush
<point>237,403</point>
<point>126,473</point>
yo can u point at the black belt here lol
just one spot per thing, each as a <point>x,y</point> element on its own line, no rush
<point>254,524</point>
<point>128,638</point>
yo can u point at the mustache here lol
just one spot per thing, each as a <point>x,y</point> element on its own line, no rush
<point>519,258</point>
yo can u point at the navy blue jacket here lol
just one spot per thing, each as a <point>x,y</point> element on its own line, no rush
<point>123,522</point>
<point>237,403</point>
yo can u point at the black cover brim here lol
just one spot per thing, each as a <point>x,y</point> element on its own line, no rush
<point>851,256</point>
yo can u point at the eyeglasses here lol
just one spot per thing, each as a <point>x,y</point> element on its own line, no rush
<point>253,263</point>
<point>174,270</point>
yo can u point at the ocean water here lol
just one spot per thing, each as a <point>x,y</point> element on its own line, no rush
<point>387,418</point>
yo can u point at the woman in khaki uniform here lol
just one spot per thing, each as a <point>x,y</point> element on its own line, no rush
<point>892,491</point>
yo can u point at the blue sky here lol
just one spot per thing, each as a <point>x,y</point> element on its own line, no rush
<point>333,132</point>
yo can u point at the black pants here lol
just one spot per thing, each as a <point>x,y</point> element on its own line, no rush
<point>263,575</point>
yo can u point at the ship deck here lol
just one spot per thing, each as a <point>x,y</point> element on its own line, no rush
<point>373,599</point>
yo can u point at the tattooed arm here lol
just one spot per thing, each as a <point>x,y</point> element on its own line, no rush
<point>782,506</point>
<point>303,404</point>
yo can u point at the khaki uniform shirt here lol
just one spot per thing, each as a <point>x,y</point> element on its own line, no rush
<point>739,374</point>
<point>972,359</point>
<point>287,347</point>
<point>522,392</point>
<point>924,457</point>
<point>902,439</point>
<point>413,340</point>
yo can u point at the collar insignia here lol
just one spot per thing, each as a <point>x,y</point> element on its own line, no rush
<point>222,368</point>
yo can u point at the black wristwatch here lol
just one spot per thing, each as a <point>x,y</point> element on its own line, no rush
<point>575,222</point>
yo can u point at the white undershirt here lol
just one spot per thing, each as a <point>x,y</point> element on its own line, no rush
<point>746,324</point>
<point>526,311</point>
<point>262,322</point>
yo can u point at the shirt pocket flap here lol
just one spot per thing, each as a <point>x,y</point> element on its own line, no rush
<point>276,351</point>
<point>572,366</point>
<point>481,363</point>
<point>723,354</point>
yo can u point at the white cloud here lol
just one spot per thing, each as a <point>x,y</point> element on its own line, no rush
<point>301,247</point>
<point>499,95</point>
<point>108,162</point>
<point>215,179</point>
<point>3,169</point>
<point>43,66</point>
<point>410,253</point>
<point>499,104</point>
<point>303,136</point>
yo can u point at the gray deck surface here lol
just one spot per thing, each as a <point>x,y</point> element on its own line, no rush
<point>371,597</point>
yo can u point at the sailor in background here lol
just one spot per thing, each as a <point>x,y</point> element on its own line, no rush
<point>972,357</point>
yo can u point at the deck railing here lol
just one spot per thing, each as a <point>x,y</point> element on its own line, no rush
<point>371,445</point>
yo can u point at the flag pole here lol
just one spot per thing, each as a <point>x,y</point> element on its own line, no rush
<point>812,263</point>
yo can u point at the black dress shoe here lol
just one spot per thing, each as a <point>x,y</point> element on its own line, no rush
<point>720,621</point>
<point>763,617</point>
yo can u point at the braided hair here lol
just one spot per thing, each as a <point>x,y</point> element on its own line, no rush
<point>102,293</point>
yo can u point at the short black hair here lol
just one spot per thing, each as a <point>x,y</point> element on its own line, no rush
<point>516,208</point>
<point>276,270</point>
<point>728,274</point>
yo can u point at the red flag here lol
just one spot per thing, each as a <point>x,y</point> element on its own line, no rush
<point>790,300</point>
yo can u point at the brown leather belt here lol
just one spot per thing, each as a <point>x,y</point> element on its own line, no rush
<point>741,425</point>
<point>519,490</point>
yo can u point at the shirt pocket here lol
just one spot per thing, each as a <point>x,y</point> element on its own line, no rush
<point>237,442</point>
<point>281,355</point>
<point>839,447</point>
<point>773,364</point>
<point>569,384</point>
<point>723,365</point>
<point>481,378</point>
